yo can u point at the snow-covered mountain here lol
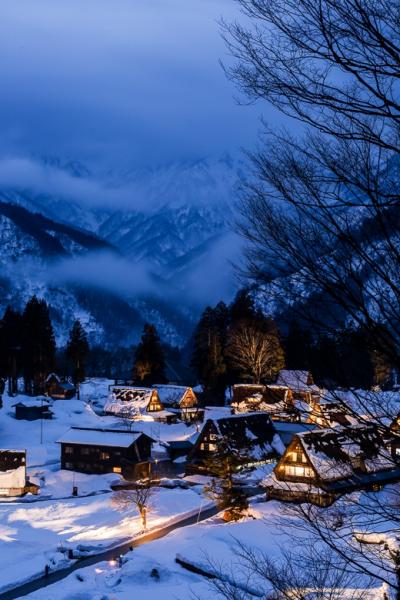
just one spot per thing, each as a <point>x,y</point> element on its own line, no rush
<point>116,248</point>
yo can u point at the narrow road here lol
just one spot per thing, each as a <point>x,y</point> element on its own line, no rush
<point>41,582</point>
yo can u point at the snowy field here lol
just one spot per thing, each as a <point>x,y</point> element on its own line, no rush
<point>209,544</point>
<point>34,528</point>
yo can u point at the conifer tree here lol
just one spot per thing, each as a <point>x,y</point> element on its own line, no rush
<point>208,356</point>
<point>149,364</point>
<point>242,307</point>
<point>10,348</point>
<point>38,345</point>
<point>77,350</point>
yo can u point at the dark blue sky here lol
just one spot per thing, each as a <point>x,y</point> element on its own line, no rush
<point>133,81</point>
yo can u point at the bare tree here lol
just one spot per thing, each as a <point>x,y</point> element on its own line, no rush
<point>255,353</point>
<point>321,215</point>
<point>296,576</point>
<point>140,496</point>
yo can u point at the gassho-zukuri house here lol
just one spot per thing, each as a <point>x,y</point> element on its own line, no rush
<point>137,403</point>
<point>301,384</point>
<point>95,451</point>
<point>13,479</point>
<point>254,433</point>
<point>276,400</point>
<point>180,400</point>
<point>319,466</point>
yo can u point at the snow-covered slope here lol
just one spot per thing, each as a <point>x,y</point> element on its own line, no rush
<point>119,247</point>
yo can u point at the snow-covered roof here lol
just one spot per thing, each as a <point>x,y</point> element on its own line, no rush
<point>51,376</point>
<point>255,431</point>
<point>171,394</point>
<point>100,437</point>
<point>296,380</point>
<point>128,401</point>
<point>335,453</point>
<point>33,402</point>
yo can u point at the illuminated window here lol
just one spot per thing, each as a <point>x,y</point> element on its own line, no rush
<point>202,446</point>
<point>69,450</point>
<point>298,471</point>
<point>212,447</point>
<point>117,470</point>
<point>104,456</point>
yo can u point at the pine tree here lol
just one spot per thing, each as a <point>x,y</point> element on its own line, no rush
<point>149,365</point>
<point>77,350</point>
<point>38,345</point>
<point>242,308</point>
<point>208,353</point>
<point>298,346</point>
<point>10,348</point>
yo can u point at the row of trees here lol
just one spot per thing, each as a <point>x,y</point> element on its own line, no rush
<point>28,347</point>
<point>347,357</point>
<point>235,343</point>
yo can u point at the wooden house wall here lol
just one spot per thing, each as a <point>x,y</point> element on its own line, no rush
<point>189,399</point>
<point>295,465</point>
<point>155,403</point>
<point>104,459</point>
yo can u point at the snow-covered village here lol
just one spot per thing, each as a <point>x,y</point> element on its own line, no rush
<point>199,300</point>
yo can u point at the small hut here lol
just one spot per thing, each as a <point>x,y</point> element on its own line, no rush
<point>58,389</point>
<point>32,409</point>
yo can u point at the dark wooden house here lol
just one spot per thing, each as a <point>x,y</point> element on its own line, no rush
<point>321,465</point>
<point>106,451</point>
<point>31,409</point>
<point>242,391</point>
<point>13,480</point>
<point>252,433</point>
<point>330,414</point>
<point>302,385</point>
<point>58,389</point>
<point>276,400</point>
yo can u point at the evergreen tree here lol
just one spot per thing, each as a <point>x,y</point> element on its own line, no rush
<point>149,365</point>
<point>77,350</point>
<point>242,308</point>
<point>10,348</point>
<point>298,347</point>
<point>208,357</point>
<point>38,345</point>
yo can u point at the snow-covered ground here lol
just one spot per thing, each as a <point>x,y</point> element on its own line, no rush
<point>211,544</point>
<point>34,528</point>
